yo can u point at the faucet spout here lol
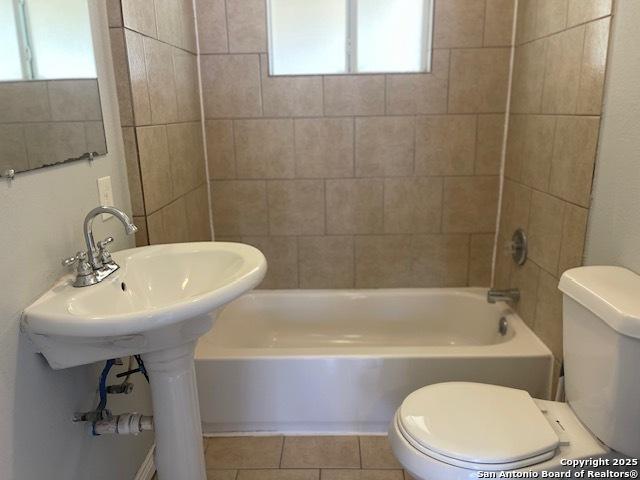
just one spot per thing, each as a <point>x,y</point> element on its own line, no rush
<point>129,228</point>
<point>511,295</point>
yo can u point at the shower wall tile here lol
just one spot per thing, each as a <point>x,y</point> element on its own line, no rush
<point>556,99</point>
<point>343,164</point>
<point>121,71</point>
<point>133,170</point>
<point>140,16</point>
<point>155,166</point>
<point>282,257</point>
<point>480,259</point>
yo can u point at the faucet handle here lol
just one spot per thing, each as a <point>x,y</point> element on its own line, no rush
<point>103,243</point>
<point>105,256</point>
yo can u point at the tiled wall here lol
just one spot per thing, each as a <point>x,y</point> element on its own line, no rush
<point>44,122</point>
<point>358,181</point>
<point>154,52</point>
<point>553,133</point>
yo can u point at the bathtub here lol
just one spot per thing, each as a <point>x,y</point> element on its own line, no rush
<point>342,361</point>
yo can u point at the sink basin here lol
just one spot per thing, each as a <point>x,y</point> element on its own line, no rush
<point>161,295</point>
<point>157,304</point>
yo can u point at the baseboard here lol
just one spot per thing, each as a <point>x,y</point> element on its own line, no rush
<point>148,468</point>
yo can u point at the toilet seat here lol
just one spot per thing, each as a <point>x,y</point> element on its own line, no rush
<point>477,426</point>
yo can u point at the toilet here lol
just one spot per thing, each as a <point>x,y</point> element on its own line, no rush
<point>456,430</point>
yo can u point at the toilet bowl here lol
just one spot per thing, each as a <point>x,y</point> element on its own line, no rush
<point>456,430</point>
<point>460,430</point>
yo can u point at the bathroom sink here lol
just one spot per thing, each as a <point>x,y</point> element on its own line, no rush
<point>161,296</point>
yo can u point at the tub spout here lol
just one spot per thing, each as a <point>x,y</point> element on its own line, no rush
<point>510,296</point>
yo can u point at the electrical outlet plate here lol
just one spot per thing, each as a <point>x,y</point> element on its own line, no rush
<point>105,194</point>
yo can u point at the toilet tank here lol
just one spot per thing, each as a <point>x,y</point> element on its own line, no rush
<point>601,339</point>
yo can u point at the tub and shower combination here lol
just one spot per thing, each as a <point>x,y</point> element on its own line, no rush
<point>342,361</point>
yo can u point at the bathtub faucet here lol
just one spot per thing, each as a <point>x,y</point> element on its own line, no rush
<point>511,295</point>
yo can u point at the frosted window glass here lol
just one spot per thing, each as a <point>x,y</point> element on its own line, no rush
<point>61,39</point>
<point>392,36</point>
<point>10,66</point>
<point>308,36</point>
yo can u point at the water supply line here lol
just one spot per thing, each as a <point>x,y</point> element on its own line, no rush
<point>124,424</point>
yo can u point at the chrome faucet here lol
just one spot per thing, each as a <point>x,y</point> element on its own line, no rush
<point>511,295</point>
<point>96,263</point>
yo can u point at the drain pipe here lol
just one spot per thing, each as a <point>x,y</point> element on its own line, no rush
<point>124,424</point>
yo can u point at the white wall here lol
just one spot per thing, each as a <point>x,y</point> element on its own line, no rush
<point>613,236</point>
<point>41,215</point>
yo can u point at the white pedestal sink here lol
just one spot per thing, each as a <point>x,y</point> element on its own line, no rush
<point>157,304</point>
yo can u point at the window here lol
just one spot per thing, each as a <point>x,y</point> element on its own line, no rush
<point>308,37</point>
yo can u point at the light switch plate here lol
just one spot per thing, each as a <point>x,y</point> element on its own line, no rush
<point>105,194</point>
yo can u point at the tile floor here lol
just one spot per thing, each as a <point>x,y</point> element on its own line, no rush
<point>301,458</point>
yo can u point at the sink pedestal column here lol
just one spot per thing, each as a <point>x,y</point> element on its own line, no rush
<point>176,413</point>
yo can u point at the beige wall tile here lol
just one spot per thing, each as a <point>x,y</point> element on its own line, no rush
<point>324,147</point>
<point>574,155</point>
<point>168,21</point>
<point>594,60</point>
<point>420,93</point>
<point>321,452</point>
<point>384,146</point>
<point>545,230</point>
<point>516,205</point>
<point>187,86</point>
<point>264,148</point>
<point>383,261</point>
<point>525,278</point>
<point>174,220</point>
<point>439,260</point>
<point>161,81</point>
<point>220,149</point>
<point>551,17</point>
<point>212,26</point>
<point>187,15</point>
<point>528,77</point>
<point>288,96</point>
<point>469,204</point>
<point>489,144</point>
<point>142,235</point>
<point>526,20</point>
<point>282,259</point>
<point>140,15</point>
<point>574,228</point>
<point>155,227</point>
<point>480,258</point>
<point>138,75</point>
<point>412,205</point>
<point>458,23</point>
<point>239,207</point>
<point>247,26</point>
<point>354,206</point>
<point>121,71</point>
<point>376,453</point>
<point>231,85</point>
<point>155,167</point>
<point>296,207</point>
<point>197,214</point>
<point>538,149</point>
<point>293,474</point>
<point>13,149</point>
<point>478,82</point>
<point>516,140</point>
<point>326,262</point>
<point>74,100</point>
<point>24,102</point>
<point>133,170</point>
<point>187,156</point>
<point>354,95</point>
<point>498,23</point>
<point>222,474</point>
<point>562,71</point>
<point>114,13</point>
<point>243,452</point>
<point>338,474</point>
<point>445,145</point>
<point>581,11</point>
<point>548,322</point>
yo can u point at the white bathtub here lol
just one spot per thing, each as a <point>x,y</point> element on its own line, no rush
<point>338,361</point>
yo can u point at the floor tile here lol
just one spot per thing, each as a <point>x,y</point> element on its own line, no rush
<point>361,475</point>
<point>321,452</point>
<point>278,475</point>
<point>222,474</point>
<point>243,452</point>
<point>376,453</point>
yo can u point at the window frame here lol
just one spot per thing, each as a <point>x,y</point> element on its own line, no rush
<point>351,42</point>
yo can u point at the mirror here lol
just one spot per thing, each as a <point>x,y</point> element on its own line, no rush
<point>325,37</point>
<point>50,108</point>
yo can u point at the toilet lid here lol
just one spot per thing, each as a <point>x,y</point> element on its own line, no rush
<point>477,423</point>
